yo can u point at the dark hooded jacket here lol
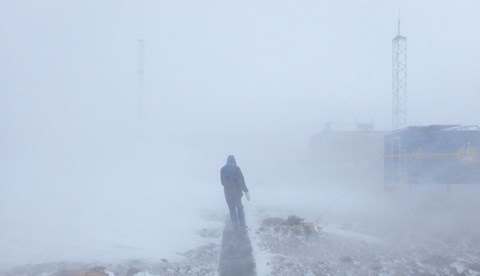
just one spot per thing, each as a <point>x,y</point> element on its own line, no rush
<point>232,179</point>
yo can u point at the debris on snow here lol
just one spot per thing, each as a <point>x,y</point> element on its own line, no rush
<point>298,247</point>
<point>293,226</point>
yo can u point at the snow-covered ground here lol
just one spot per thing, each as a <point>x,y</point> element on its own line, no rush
<point>420,232</point>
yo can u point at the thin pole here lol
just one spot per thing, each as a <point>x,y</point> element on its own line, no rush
<point>398,21</point>
<point>141,76</point>
<point>398,26</point>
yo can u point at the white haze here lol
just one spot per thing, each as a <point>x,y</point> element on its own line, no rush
<point>83,175</point>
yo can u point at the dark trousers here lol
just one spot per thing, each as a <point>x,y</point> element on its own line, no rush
<point>236,211</point>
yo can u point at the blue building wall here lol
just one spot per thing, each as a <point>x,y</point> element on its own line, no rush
<point>433,154</point>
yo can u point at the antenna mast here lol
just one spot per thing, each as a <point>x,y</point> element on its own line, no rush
<point>141,77</point>
<point>399,80</point>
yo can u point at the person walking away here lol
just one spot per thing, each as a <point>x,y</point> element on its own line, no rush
<point>234,187</point>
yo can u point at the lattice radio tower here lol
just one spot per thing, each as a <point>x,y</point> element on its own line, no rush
<point>399,81</point>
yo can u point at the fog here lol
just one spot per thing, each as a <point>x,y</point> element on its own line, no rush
<point>90,174</point>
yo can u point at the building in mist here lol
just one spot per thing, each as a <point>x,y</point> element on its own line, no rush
<point>437,154</point>
<point>440,154</point>
<point>346,155</point>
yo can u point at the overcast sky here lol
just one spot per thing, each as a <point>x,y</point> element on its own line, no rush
<point>235,66</point>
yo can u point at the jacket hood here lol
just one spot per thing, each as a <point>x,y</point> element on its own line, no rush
<point>231,160</point>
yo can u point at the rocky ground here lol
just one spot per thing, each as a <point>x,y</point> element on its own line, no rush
<point>295,246</point>
<point>303,248</point>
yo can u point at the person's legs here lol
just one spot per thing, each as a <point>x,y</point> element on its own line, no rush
<point>233,211</point>
<point>240,213</point>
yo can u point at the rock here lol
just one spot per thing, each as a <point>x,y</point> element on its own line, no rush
<point>376,267</point>
<point>294,220</point>
<point>132,271</point>
<point>438,261</point>
<point>474,266</point>
<point>310,229</point>
<point>96,271</point>
<point>271,223</point>
<point>346,259</point>
<point>292,226</point>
